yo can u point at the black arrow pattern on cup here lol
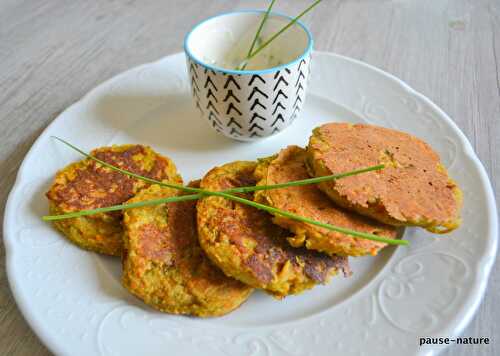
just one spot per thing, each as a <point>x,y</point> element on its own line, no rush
<point>256,126</point>
<point>194,76</point>
<point>199,106</point>
<point>232,121</point>
<point>211,106</point>
<point>258,91</point>
<point>254,77</point>
<point>254,97</point>
<point>280,106</point>
<point>279,117</point>
<point>210,93</point>
<point>216,124</point>
<point>295,112</point>
<point>300,77</point>
<point>299,87</point>
<point>209,81</point>
<point>297,101</point>
<point>214,118</point>
<point>303,61</point>
<point>232,99</point>
<point>193,70</point>
<point>257,116</point>
<point>194,85</point>
<point>232,107</point>
<point>257,103</point>
<point>281,79</point>
<point>235,132</point>
<point>281,85</point>
<point>195,93</point>
<point>211,71</point>
<point>301,72</point>
<point>280,92</point>
<point>230,94</point>
<point>230,79</point>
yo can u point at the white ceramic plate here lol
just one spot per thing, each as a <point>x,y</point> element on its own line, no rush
<point>74,301</point>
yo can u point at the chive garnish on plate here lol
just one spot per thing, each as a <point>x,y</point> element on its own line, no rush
<point>198,196</point>
<point>238,199</point>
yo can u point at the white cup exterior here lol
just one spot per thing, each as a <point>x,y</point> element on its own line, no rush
<point>248,105</point>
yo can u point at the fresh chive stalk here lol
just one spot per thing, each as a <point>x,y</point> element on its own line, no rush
<point>238,199</point>
<point>273,37</point>
<point>198,196</point>
<point>257,34</point>
<point>108,209</point>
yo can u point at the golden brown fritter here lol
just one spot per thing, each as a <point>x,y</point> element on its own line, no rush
<point>413,190</point>
<point>88,185</point>
<point>246,245</point>
<point>164,265</point>
<point>308,201</point>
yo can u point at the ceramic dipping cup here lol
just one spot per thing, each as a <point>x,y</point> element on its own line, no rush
<point>265,97</point>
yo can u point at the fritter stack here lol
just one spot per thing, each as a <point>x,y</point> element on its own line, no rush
<point>204,258</point>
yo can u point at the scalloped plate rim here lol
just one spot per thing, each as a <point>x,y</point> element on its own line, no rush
<point>486,263</point>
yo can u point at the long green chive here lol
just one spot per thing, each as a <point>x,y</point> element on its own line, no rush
<point>198,196</point>
<point>257,34</point>
<point>273,37</point>
<point>107,209</point>
<point>259,206</point>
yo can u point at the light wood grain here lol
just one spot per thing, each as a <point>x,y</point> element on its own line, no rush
<point>53,52</point>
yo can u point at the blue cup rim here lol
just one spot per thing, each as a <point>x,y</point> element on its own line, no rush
<point>306,52</point>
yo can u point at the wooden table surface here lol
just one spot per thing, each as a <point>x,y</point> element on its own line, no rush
<point>53,52</point>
